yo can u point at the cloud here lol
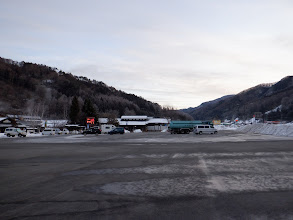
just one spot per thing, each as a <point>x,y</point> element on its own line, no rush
<point>178,53</point>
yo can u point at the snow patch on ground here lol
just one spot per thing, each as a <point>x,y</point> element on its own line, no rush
<point>207,175</point>
<point>137,131</point>
<point>270,129</point>
<point>163,187</point>
<point>154,169</point>
<point>226,127</point>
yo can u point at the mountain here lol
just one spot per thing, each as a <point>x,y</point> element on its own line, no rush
<point>206,104</point>
<point>39,90</point>
<point>262,98</point>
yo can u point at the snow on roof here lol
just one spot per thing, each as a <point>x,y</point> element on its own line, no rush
<point>132,123</point>
<point>1,119</point>
<point>134,117</point>
<point>158,121</point>
<point>143,123</point>
<point>103,120</point>
<point>5,125</point>
<point>25,117</point>
<point>274,110</point>
<point>54,123</point>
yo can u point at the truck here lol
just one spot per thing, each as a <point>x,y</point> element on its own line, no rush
<point>105,128</point>
<point>184,127</point>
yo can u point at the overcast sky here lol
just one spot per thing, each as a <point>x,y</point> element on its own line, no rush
<point>173,52</point>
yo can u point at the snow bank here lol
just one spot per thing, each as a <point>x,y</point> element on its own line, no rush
<point>126,131</point>
<point>34,135</point>
<point>165,130</point>
<point>272,129</point>
<point>226,127</point>
<point>137,131</point>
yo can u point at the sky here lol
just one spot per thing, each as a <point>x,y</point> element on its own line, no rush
<point>177,53</point>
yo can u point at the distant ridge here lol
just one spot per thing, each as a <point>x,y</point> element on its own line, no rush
<point>261,98</point>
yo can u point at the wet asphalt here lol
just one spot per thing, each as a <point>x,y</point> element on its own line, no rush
<point>147,176</point>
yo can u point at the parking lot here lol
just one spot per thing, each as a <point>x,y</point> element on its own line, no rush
<point>147,176</point>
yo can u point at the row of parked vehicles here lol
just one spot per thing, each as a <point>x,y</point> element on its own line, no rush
<point>97,130</point>
<point>12,132</point>
<point>175,127</point>
<point>197,127</point>
<point>53,131</point>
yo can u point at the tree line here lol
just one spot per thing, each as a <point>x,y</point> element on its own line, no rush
<point>33,89</point>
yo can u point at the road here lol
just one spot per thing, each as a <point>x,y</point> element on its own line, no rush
<point>147,176</point>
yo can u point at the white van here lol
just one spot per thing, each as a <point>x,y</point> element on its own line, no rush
<point>48,131</point>
<point>204,129</point>
<point>12,132</point>
<point>106,128</point>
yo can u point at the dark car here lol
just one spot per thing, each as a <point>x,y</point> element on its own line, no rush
<point>117,131</point>
<point>92,131</point>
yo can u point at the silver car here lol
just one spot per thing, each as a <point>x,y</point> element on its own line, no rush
<point>204,129</point>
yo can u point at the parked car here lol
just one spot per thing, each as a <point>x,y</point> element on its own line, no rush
<point>204,129</point>
<point>65,131</point>
<point>57,131</point>
<point>117,130</point>
<point>48,131</point>
<point>12,132</point>
<point>92,131</point>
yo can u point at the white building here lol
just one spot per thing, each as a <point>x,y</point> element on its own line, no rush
<point>157,124</point>
<point>143,123</point>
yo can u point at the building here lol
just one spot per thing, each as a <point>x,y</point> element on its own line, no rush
<point>6,122</point>
<point>143,123</point>
<point>133,122</point>
<point>27,122</point>
<point>157,124</point>
<point>54,123</point>
<point>103,121</point>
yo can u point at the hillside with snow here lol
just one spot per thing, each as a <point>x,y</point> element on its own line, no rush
<point>274,101</point>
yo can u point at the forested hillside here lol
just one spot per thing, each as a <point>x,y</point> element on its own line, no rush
<point>262,98</point>
<point>32,89</point>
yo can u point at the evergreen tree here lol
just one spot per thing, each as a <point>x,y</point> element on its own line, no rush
<point>74,110</point>
<point>88,109</point>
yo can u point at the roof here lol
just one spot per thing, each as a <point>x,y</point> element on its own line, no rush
<point>133,123</point>
<point>103,120</point>
<point>186,122</point>
<point>25,117</point>
<point>143,123</point>
<point>72,125</point>
<point>54,123</point>
<point>134,117</point>
<point>5,125</point>
<point>158,121</point>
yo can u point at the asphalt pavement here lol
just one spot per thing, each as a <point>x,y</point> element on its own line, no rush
<point>147,176</point>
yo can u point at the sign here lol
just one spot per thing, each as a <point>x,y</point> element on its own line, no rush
<point>90,121</point>
<point>216,122</point>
